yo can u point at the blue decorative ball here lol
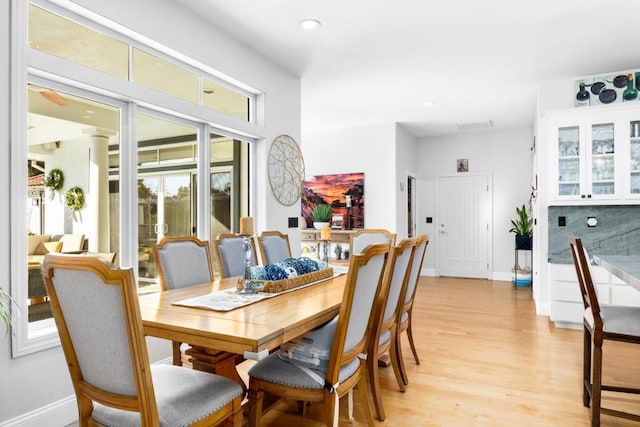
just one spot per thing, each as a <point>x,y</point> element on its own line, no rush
<point>295,263</point>
<point>308,265</point>
<point>291,272</point>
<point>258,273</point>
<point>274,272</point>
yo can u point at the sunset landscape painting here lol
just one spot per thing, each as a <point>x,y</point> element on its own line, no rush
<point>338,191</point>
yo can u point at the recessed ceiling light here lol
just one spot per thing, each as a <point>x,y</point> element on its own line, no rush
<point>429,103</point>
<point>310,24</point>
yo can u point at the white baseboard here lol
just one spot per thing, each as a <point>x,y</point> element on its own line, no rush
<point>502,276</point>
<point>56,414</point>
<point>428,272</point>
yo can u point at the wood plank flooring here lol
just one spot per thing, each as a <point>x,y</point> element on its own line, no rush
<point>487,360</point>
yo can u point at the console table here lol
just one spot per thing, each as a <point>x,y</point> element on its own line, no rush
<point>311,237</point>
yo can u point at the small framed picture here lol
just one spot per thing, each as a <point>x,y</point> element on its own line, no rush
<point>462,165</point>
<point>337,221</point>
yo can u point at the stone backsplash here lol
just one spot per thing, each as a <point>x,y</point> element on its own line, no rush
<point>617,231</point>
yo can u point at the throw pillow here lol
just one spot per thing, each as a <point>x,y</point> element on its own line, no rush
<point>47,247</point>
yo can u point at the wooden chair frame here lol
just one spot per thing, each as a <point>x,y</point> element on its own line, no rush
<point>164,285</point>
<point>168,241</point>
<point>407,307</point>
<point>216,244</point>
<point>354,236</point>
<point>144,401</point>
<point>258,388</point>
<point>264,234</point>
<point>374,349</point>
<point>594,337</point>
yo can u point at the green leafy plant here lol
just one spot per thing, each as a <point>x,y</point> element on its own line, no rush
<point>338,250</point>
<point>523,224</point>
<point>321,213</point>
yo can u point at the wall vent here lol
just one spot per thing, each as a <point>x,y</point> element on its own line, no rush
<point>475,125</point>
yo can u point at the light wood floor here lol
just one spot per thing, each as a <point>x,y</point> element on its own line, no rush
<point>486,360</point>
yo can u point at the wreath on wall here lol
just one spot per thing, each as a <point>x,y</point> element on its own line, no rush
<point>75,200</point>
<point>54,180</point>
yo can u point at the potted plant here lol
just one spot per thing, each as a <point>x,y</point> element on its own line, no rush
<point>522,226</point>
<point>321,214</point>
<point>338,251</point>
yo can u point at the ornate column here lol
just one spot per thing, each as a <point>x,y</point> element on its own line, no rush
<point>97,200</point>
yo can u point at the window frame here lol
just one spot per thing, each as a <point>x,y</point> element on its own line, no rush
<point>32,66</point>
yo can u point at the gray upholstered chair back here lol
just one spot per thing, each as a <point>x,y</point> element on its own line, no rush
<point>416,266</point>
<point>231,253</point>
<point>364,238</point>
<point>275,248</point>
<point>398,276</point>
<point>93,312</point>
<point>184,263</point>
<point>366,290</point>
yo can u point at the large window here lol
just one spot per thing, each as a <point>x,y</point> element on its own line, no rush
<point>144,172</point>
<point>80,44</point>
<point>68,140</point>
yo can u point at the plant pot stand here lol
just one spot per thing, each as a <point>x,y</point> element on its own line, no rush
<point>521,278</point>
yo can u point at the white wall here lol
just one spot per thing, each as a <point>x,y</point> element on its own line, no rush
<point>507,154</point>
<point>371,150</point>
<point>406,163</point>
<point>35,390</point>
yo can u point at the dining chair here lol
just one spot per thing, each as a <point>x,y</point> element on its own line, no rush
<point>274,247</point>
<point>614,323</point>
<point>367,236</point>
<point>382,340</point>
<point>229,253</point>
<point>407,296</point>
<point>95,306</point>
<point>182,261</point>
<point>345,370</point>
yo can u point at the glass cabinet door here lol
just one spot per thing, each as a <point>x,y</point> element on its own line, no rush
<point>634,147</point>
<point>602,159</point>
<point>569,161</point>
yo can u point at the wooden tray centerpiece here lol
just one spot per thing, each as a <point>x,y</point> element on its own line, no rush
<point>275,286</point>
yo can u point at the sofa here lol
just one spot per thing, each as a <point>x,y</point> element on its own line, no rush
<point>37,247</point>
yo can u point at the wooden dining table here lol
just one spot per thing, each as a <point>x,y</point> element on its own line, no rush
<point>219,339</point>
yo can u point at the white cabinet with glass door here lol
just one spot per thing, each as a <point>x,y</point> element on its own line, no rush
<point>633,176</point>
<point>588,153</point>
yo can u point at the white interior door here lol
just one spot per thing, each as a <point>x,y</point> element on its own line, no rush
<point>463,226</point>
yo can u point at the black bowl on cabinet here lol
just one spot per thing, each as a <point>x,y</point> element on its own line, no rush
<point>607,96</point>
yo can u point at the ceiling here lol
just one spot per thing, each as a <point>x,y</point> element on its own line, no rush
<point>378,61</point>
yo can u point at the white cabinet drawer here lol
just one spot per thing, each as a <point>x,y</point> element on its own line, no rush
<point>567,273</point>
<point>567,291</point>
<point>570,292</point>
<point>625,295</point>
<point>568,312</point>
